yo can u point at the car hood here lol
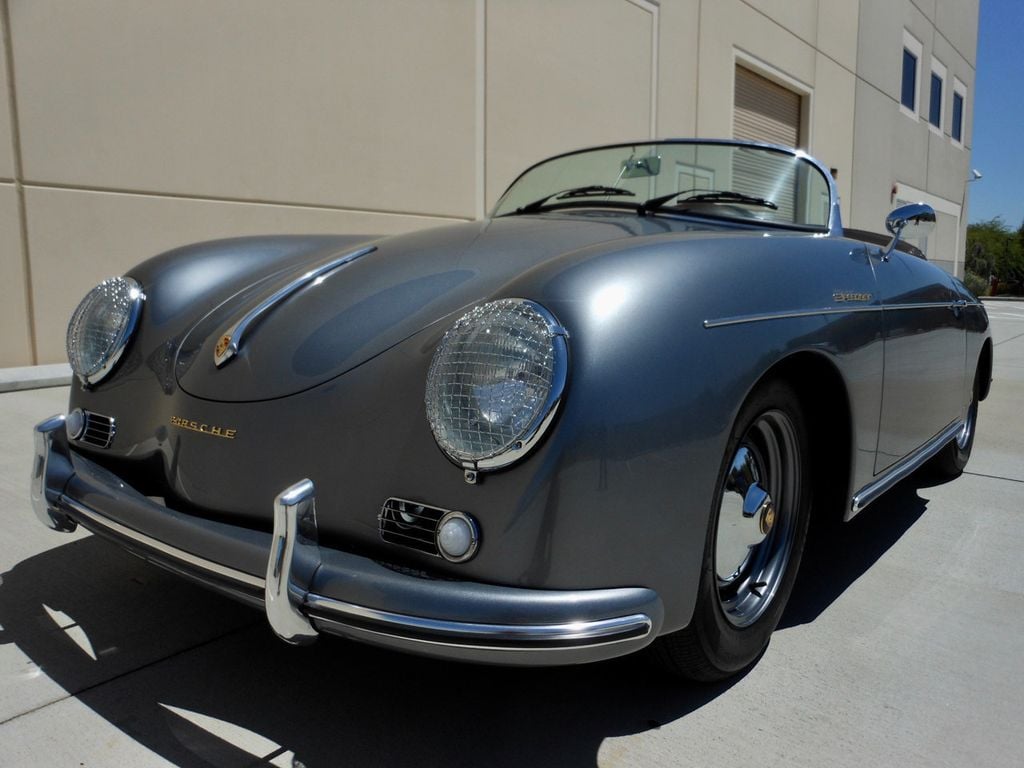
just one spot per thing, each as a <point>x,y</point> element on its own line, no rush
<point>375,301</point>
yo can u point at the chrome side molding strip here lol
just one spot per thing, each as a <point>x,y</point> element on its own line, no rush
<point>230,341</point>
<point>789,314</point>
<point>295,503</point>
<point>903,468</point>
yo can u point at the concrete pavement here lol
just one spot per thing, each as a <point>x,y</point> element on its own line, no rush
<point>903,646</point>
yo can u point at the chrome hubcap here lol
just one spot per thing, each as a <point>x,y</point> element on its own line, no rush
<point>755,526</point>
<point>745,516</point>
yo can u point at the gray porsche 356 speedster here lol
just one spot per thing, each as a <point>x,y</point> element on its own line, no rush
<point>601,418</point>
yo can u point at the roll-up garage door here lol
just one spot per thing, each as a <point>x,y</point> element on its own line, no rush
<point>765,111</point>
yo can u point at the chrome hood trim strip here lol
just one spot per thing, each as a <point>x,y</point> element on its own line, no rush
<point>231,340</point>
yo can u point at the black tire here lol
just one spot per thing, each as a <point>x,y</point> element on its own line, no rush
<point>733,621</point>
<point>949,463</point>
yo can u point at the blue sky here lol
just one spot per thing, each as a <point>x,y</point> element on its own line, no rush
<point>998,142</point>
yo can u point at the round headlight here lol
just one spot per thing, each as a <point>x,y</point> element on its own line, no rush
<point>101,327</point>
<point>495,382</point>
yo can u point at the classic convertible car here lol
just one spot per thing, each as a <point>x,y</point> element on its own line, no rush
<point>600,419</point>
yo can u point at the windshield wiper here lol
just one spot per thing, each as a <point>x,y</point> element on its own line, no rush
<point>591,190</point>
<point>723,196</point>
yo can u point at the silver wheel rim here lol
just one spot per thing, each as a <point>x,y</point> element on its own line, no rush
<point>757,518</point>
<point>963,437</point>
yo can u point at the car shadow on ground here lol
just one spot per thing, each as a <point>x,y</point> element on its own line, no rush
<point>837,555</point>
<point>200,680</point>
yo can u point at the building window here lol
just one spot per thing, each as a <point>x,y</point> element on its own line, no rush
<point>936,93</point>
<point>909,80</point>
<point>956,128</point>
<point>958,117</point>
<point>910,86</point>
<point>935,106</point>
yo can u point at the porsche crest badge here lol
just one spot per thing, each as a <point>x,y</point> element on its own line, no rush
<point>222,346</point>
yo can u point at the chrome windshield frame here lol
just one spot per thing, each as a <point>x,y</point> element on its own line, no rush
<point>834,226</point>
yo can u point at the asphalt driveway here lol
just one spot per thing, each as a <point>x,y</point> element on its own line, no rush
<point>903,645</point>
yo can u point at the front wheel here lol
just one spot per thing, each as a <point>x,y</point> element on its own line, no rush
<point>755,538</point>
<point>949,463</point>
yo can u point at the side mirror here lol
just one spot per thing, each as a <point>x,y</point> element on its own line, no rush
<point>916,220</point>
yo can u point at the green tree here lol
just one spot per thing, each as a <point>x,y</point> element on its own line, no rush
<point>995,255</point>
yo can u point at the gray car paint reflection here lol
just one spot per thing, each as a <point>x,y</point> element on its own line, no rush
<point>673,319</point>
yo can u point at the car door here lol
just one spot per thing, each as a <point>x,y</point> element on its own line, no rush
<point>924,349</point>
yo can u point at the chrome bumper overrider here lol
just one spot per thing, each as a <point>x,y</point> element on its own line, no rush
<point>305,589</point>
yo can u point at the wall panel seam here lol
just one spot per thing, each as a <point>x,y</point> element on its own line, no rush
<point>653,9</point>
<point>481,108</point>
<point>12,104</point>
<point>235,200</point>
<point>808,43</point>
<point>940,33</point>
<point>696,94</point>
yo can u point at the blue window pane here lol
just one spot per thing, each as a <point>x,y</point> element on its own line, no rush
<point>909,79</point>
<point>958,117</point>
<point>935,104</point>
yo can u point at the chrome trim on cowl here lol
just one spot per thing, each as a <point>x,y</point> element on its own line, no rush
<point>230,341</point>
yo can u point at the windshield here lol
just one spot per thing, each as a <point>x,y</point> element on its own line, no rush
<point>723,180</point>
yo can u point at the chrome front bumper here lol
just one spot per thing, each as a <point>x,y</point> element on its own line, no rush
<point>306,589</point>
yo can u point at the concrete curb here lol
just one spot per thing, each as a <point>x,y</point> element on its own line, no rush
<point>1002,298</point>
<point>35,377</point>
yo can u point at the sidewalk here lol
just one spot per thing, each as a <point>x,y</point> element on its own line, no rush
<point>34,377</point>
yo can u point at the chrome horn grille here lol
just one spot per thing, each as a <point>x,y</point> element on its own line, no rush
<point>91,428</point>
<point>410,524</point>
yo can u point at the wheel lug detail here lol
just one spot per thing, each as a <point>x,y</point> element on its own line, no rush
<point>767,516</point>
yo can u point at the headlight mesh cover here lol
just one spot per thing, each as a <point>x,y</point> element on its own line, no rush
<point>101,327</point>
<point>495,377</point>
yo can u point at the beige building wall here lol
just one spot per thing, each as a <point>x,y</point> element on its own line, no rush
<point>129,128</point>
<point>904,153</point>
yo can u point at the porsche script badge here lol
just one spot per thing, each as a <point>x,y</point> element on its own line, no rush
<point>205,429</point>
